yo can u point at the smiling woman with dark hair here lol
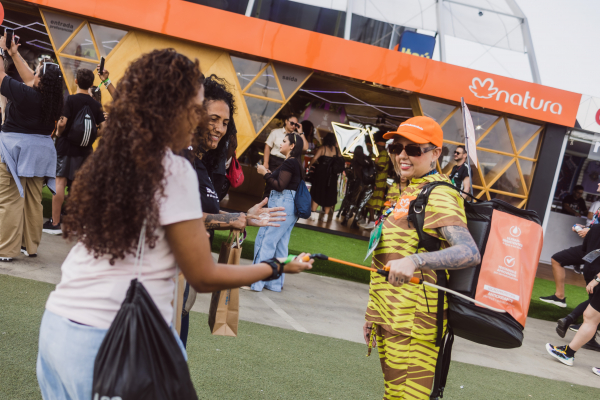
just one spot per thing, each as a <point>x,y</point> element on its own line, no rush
<point>209,156</point>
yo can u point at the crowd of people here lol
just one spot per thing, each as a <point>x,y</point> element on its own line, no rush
<point>155,180</point>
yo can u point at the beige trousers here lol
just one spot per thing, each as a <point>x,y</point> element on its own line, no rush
<point>21,218</point>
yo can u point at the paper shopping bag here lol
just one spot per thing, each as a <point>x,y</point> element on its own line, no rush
<point>224,312</point>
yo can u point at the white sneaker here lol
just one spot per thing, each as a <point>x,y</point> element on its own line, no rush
<point>596,370</point>
<point>367,226</point>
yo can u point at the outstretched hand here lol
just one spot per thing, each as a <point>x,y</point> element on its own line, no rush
<point>14,48</point>
<point>297,266</point>
<point>259,216</point>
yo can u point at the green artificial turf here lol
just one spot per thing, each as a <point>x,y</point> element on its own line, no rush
<point>263,362</point>
<point>539,309</point>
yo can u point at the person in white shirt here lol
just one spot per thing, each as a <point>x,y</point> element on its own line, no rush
<point>593,209</point>
<point>134,179</point>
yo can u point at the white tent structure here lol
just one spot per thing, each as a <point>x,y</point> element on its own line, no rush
<point>488,35</point>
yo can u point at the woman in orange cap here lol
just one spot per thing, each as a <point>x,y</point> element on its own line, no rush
<point>403,317</point>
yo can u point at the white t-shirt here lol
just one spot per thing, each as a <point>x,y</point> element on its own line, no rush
<point>593,208</point>
<point>274,140</point>
<point>91,290</point>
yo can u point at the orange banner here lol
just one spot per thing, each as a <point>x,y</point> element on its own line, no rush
<point>509,264</point>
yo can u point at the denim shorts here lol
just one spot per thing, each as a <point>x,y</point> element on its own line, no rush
<point>66,355</point>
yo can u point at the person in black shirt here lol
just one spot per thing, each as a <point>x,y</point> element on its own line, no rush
<point>282,184</point>
<point>27,151</point>
<point>71,156</point>
<point>460,172</point>
<point>208,157</point>
<point>574,204</point>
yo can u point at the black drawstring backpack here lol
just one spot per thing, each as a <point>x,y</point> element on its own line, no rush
<point>139,357</point>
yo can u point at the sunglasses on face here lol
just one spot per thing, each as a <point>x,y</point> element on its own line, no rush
<point>412,150</point>
<point>458,153</point>
<point>294,124</point>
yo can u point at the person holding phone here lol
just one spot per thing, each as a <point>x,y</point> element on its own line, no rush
<point>272,155</point>
<point>27,150</point>
<point>107,83</point>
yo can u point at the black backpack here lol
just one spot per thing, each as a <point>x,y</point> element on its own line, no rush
<point>369,173</point>
<point>83,131</point>
<point>465,319</point>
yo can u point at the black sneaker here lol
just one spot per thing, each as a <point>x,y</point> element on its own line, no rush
<point>562,325</point>
<point>592,345</point>
<point>24,251</point>
<point>575,327</point>
<point>52,229</point>
<point>555,300</point>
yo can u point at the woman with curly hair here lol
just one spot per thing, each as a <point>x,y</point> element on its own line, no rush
<point>27,151</point>
<point>209,156</point>
<point>118,191</point>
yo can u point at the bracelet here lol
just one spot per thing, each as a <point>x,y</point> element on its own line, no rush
<point>420,263</point>
<point>277,269</point>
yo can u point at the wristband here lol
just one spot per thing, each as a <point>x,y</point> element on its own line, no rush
<point>419,263</point>
<point>277,269</point>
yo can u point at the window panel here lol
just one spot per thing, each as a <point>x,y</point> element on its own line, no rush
<point>492,164</point>
<point>266,85</point>
<point>510,181</point>
<point>290,77</point>
<point>482,122</point>
<point>531,149</point>
<point>106,38</point>
<point>521,131</point>
<point>435,110</point>
<point>497,139</point>
<point>374,32</point>
<point>527,167</point>
<point>453,129</point>
<point>446,160</point>
<point>81,45</point>
<point>235,6</point>
<point>304,16</point>
<point>246,70</point>
<point>260,111</point>
<point>61,26</point>
<point>70,68</point>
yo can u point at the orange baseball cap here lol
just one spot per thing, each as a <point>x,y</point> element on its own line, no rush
<point>419,130</point>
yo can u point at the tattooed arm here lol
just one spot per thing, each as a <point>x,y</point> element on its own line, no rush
<point>225,221</point>
<point>462,253</point>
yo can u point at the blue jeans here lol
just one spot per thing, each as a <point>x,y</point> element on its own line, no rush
<point>273,242</point>
<point>66,355</point>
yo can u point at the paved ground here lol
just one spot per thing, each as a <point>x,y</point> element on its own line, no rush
<point>335,308</point>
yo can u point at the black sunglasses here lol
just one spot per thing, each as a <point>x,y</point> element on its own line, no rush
<point>412,150</point>
<point>457,152</point>
<point>294,124</point>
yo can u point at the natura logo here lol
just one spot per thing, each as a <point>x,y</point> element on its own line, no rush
<point>509,261</point>
<point>515,231</point>
<point>485,89</point>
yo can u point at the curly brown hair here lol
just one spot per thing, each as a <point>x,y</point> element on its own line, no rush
<point>120,185</point>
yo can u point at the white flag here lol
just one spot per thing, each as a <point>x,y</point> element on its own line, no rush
<point>470,134</point>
